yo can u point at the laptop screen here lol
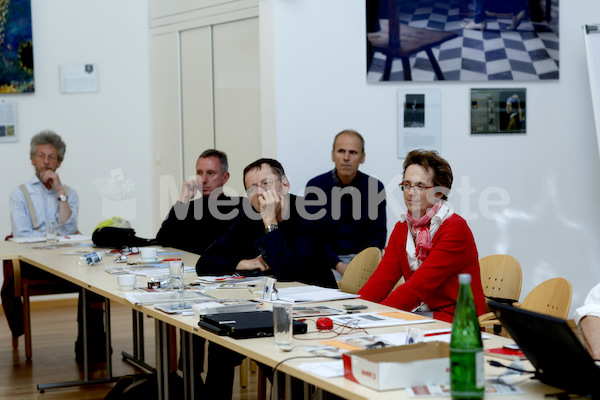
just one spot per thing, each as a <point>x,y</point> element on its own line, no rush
<point>553,349</point>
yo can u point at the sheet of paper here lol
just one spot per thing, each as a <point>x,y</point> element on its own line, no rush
<point>491,389</point>
<point>73,238</point>
<point>140,298</point>
<point>327,369</point>
<point>144,270</point>
<point>299,294</point>
<point>372,320</point>
<point>29,239</point>
<point>38,239</point>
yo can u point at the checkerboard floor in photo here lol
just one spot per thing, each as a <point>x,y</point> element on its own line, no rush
<point>528,53</point>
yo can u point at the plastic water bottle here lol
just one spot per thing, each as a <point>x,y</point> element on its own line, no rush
<point>90,258</point>
<point>467,379</point>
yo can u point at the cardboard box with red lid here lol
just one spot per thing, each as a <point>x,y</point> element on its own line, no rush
<point>399,367</point>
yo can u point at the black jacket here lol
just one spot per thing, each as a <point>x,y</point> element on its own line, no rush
<point>294,252</point>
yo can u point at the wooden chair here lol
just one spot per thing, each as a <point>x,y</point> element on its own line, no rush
<point>360,270</point>
<point>501,279</point>
<point>26,287</point>
<point>35,287</point>
<point>404,41</point>
<point>551,297</point>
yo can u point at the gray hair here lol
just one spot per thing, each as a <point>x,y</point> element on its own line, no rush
<point>48,137</point>
<point>218,154</point>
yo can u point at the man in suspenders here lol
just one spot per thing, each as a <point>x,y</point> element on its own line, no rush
<point>35,203</point>
<point>44,198</point>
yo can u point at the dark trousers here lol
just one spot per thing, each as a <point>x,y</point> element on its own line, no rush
<point>218,384</point>
<point>13,306</point>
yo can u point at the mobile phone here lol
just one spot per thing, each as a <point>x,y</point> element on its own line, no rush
<point>354,307</point>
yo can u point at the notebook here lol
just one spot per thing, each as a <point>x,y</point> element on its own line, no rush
<point>244,325</point>
<point>559,358</point>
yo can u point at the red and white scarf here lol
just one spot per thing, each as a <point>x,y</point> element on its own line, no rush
<point>420,230</point>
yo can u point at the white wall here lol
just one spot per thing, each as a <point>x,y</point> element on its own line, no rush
<point>317,52</point>
<point>104,131</point>
<point>550,175</point>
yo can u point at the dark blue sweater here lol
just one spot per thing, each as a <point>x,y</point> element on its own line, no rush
<point>348,233</point>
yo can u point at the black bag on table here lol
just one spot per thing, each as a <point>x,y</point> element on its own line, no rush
<point>110,236</point>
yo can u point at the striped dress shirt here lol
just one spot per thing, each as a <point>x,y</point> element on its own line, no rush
<point>45,204</point>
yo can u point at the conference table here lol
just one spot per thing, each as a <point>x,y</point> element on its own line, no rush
<point>95,279</point>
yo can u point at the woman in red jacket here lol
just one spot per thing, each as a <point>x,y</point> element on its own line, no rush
<point>429,247</point>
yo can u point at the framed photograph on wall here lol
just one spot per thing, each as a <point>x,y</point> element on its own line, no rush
<point>419,120</point>
<point>8,121</point>
<point>457,40</point>
<point>498,111</point>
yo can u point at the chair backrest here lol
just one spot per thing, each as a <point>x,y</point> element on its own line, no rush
<point>501,277</point>
<point>551,297</point>
<point>360,270</point>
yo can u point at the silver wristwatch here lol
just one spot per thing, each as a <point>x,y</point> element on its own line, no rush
<point>62,198</point>
<point>271,228</point>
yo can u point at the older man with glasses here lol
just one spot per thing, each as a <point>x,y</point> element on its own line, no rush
<point>272,237</point>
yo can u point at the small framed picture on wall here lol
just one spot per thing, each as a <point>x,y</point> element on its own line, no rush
<point>498,111</point>
<point>419,120</point>
<point>8,121</point>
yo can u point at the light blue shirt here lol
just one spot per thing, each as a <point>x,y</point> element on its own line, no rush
<point>45,204</point>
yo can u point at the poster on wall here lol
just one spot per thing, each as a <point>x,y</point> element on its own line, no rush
<point>419,120</point>
<point>8,121</point>
<point>458,40</point>
<point>16,47</point>
<point>498,111</point>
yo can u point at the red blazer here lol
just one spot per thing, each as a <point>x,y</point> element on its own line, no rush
<point>435,282</point>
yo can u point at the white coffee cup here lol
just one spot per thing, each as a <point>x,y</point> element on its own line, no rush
<point>126,282</point>
<point>148,253</point>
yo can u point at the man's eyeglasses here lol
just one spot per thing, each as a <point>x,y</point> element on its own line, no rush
<point>266,185</point>
<point>419,187</point>
<point>42,157</point>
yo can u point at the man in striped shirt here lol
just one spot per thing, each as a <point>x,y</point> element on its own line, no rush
<point>33,205</point>
<point>44,198</point>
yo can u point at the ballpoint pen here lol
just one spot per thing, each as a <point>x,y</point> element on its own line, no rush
<point>437,333</point>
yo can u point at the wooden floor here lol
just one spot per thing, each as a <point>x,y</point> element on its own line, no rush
<point>54,333</point>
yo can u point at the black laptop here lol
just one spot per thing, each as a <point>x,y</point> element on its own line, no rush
<point>244,325</point>
<point>559,358</point>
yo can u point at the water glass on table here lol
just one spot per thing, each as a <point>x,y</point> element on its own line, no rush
<point>283,325</point>
<point>51,232</point>
<point>176,277</point>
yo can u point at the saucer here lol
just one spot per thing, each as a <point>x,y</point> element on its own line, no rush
<point>156,260</point>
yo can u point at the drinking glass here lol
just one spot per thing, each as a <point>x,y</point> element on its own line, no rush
<point>176,277</point>
<point>283,324</point>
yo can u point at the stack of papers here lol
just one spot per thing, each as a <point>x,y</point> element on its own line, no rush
<point>145,270</point>
<point>140,298</point>
<point>374,319</point>
<point>316,311</point>
<point>300,294</point>
<point>213,307</point>
<point>37,239</point>
<point>229,282</point>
